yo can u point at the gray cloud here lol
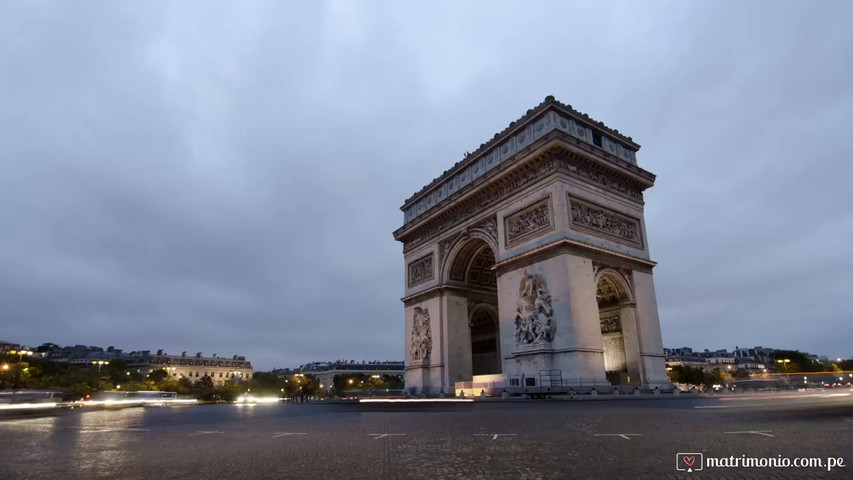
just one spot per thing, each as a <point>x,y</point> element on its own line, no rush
<point>226,177</point>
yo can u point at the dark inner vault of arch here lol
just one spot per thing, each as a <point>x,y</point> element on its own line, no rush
<point>473,268</point>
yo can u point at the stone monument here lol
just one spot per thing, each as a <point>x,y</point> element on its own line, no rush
<point>527,263</point>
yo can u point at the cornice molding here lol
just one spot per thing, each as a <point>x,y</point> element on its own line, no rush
<point>574,247</point>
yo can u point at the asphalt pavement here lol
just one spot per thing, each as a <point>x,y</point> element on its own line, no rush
<point>513,440</point>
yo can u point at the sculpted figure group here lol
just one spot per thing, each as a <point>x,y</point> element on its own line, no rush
<point>533,317</point>
<point>421,335</point>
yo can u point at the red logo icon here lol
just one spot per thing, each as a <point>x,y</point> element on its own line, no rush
<point>689,462</point>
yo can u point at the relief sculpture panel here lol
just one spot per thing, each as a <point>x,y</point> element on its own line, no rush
<point>528,222</point>
<point>421,345</point>
<point>602,221</point>
<point>421,270</point>
<point>611,325</point>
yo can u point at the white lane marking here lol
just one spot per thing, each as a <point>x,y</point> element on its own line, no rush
<point>103,430</point>
<point>204,432</point>
<point>383,435</point>
<point>626,436</point>
<point>756,432</point>
<point>494,435</point>
<point>284,434</point>
<point>27,422</point>
<point>715,406</point>
<point>415,400</point>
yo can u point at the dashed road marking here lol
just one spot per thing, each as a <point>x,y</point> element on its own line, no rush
<point>494,435</point>
<point>714,406</point>
<point>205,432</point>
<point>756,432</point>
<point>284,434</point>
<point>377,436</point>
<point>626,436</point>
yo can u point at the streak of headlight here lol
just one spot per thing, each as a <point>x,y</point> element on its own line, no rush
<point>21,406</point>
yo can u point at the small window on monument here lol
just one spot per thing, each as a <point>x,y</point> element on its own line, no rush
<point>529,382</point>
<point>596,139</point>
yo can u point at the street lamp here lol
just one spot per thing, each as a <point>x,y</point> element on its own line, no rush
<point>100,363</point>
<point>21,354</point>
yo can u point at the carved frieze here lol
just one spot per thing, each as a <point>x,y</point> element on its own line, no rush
<point>533,316</point>
<point>604,180</point>
<point>490,225</point>
<point>504,188</point>
<point>611,325</point>
<point>421,345</point>
<point>528,222</point>
<point>603,221</point>
<point>421,270</point>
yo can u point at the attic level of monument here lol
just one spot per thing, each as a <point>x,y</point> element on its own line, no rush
<point>609,158</point>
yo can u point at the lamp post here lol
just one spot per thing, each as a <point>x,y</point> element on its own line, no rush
<point>100,363</point>
<point>21,354</point>
<point>784,362</point>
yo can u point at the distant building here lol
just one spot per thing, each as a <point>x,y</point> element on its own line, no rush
<point>326,371</point>
<point>749,359</point>
<point>719,358</point>
<point>750,364</point>
<point>236,368</point>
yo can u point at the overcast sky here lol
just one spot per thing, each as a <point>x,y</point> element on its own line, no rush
<point>225,177</point>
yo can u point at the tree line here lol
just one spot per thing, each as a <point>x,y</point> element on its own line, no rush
<point>82,381</point>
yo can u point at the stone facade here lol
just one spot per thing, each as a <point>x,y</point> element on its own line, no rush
<point>529,259</point>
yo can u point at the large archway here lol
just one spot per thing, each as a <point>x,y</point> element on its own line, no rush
<point>618,332</point>
<point>548,203</point>
<point>472,271</point>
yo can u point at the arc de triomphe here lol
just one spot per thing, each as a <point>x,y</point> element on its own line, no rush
<point>527,262</point>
